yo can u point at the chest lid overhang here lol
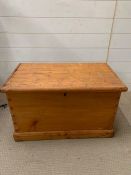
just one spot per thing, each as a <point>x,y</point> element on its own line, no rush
<point>63,76</point>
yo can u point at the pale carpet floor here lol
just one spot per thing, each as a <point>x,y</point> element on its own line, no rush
<point>104,156</point>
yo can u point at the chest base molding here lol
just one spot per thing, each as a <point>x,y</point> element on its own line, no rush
<point>28,136</point>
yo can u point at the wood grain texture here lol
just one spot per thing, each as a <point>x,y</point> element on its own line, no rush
<point>57,111</point>
<point>26,136</point>
<point>49,101</point>
<point>10,75</point>
<point>62,114</point>
<point>46,77</point>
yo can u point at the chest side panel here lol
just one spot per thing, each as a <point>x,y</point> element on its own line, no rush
<point>62,111</point>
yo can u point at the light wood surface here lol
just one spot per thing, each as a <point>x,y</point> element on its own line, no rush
<point>49,101</point>
<point>62,134</point>
<point>64,113</point>
<point>91,77</point>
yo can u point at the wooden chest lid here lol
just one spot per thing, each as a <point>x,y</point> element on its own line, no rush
<point>90,77</point>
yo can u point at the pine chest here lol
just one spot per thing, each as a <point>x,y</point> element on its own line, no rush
<point>52,101</point>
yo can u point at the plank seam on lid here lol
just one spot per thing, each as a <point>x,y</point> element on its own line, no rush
<point>67,85</point>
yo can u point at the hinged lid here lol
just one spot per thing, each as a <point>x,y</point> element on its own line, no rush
<point>90,77</point>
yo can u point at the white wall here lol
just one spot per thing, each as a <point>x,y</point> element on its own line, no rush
<point>65,31</point>
<point>120,47</point>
